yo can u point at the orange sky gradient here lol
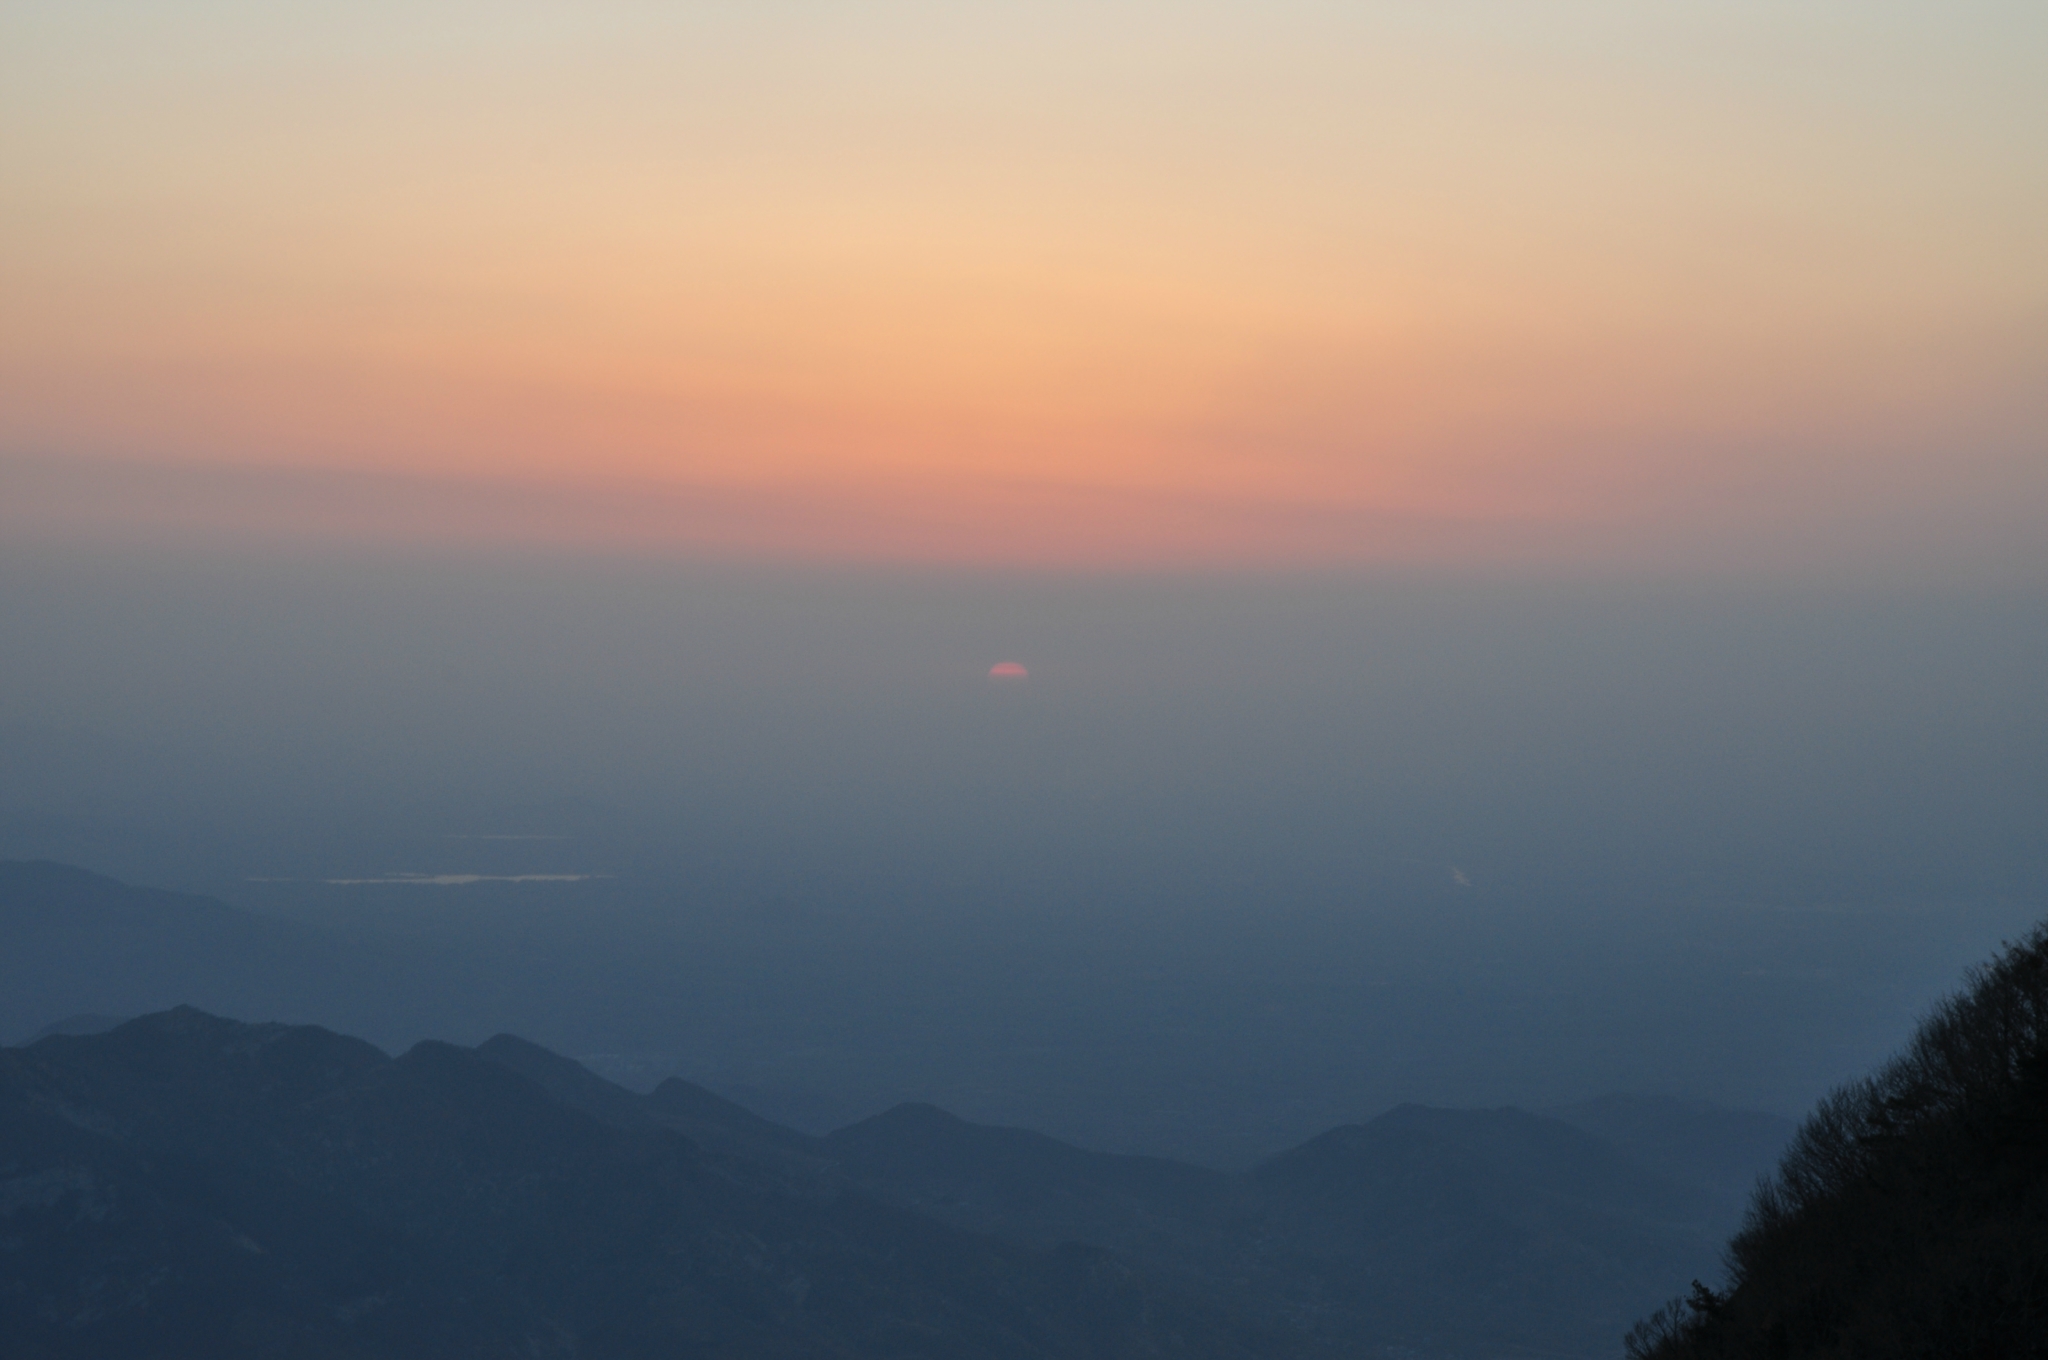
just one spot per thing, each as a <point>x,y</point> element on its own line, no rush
<point>1583,286</point>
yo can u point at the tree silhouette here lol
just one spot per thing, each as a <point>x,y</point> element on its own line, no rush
<point>1909,1217</point>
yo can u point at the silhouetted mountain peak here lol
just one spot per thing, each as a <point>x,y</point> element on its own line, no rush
<point>919,1116</point>
<point>916,1128</point>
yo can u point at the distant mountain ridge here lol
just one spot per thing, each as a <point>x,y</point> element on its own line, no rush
<point>83,944</point>
<point>77,947</point>
<point>176,1141</point>
<point>77,1024</point>
<point>1723,1151</point>
<point>1495,1226</point>
<point>189,1186</point>
<point>1451,1233</point>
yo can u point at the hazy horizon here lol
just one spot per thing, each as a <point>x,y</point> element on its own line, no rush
<point>1245,856</point>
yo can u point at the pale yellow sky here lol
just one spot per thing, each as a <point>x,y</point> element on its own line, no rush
<point>1179,279</point>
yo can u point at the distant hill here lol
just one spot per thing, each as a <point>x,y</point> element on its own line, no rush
<point>1031,1188</point>
<point>185,1186</point>
<point>79,943</point>
<point>1721,1151</point>
<point>1910,1215</point>
<point>1481,1227</point>
<point>1448,1232</point>
<point>77,1024</point>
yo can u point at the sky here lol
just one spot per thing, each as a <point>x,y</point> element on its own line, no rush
<point>1676,289</point>
<point>1524,524</point>
<point>1243,858</point>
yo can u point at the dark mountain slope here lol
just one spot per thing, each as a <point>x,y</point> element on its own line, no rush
<point>569,1082</point>
<point>1910,1216</point>
<point>711,1121</point>
<point>187,1186</point>
<point>716,1121</point>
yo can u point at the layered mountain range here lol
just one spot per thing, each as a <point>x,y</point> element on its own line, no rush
<point>186,1185</point>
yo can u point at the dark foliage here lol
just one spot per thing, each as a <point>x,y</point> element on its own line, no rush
<point>1910,1215</point>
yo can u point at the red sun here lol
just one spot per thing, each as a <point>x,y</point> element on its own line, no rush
<point>1008,670</point>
